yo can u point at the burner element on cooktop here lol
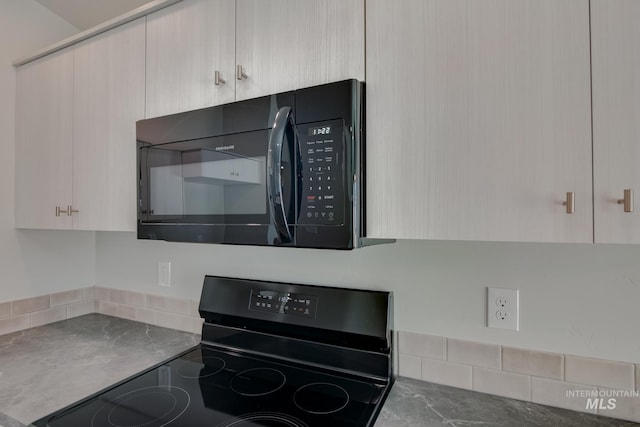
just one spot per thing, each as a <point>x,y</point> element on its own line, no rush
<point>321,398</point>
<point>270,419</point>
<point>154,406</point>
<point>257,381</point>
<point>200,367</point>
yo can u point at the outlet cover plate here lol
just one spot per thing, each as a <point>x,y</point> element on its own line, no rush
<point>503,306</point>
<point>164,274</point>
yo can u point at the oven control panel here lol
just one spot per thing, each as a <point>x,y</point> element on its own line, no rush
<point>322,156</point>
<point>283,303</point>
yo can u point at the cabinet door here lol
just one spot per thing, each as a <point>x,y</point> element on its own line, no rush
<point>478,120</point>
<point>289,44</point>
<point>615,39</point>
<point>109,98</point>
<point>186,44</point>
<point>44,117</point>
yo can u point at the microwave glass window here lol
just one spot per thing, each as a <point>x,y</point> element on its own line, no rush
<point>229,186</point>
<point>191,181</point>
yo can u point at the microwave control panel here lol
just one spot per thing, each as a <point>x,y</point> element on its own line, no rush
<point>322,153</point>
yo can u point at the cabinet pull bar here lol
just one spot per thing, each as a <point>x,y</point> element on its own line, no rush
<point>628,200</point>
<point>240,74</point>
<point>218,80</point>
<point>58,210</point>
<point>71,211</point>
<point>570,202</point>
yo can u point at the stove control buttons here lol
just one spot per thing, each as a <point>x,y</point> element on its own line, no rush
<point>283,303</point>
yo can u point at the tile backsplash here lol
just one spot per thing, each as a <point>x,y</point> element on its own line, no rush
<point>573,382</point>
<point>599,372</point>
<point>156,310</point>
<point>31,312</point>
<point>534,363</point>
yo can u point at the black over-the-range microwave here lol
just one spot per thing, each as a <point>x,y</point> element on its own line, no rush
<point>282,170</point>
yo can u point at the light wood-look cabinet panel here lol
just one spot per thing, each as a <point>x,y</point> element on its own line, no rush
<point>615,39</point>
<point>478,120</point>
<point>44,129</point>
<point>289,44</point>
<point>280,44</point>
<point>186,44</point>
<point>109,88</point>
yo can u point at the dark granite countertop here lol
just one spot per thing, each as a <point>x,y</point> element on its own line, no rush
<point>49,367</point>
<point>414,403</point>
<point>91,352</point>
<point>7,421</point>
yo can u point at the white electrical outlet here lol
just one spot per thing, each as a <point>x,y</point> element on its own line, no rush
<point>502,308</point>
<point>164,274</point>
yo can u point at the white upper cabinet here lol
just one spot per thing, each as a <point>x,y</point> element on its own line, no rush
<point>289,44</point>
<point>75,133</point>
<point>44,129</point>
<point>478,120</point>
<point>77,109</point>
<point>186,45</point>
<point>615,51</point>
<point>279,45</point>
<point>109,88</point>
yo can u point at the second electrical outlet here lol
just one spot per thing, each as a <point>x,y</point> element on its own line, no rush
<point>164,274</point>
<point>502,308</point>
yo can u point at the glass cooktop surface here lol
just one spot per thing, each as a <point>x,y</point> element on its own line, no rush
<point>214,387</point>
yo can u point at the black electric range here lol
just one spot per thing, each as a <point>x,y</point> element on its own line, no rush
<point>272,354</point>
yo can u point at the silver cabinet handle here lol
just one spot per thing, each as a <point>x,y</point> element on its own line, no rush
<point>570,202</point>
<point>218,80</point>
<point>240,74</point>
<point>68,211</point>
<point>628,200</point>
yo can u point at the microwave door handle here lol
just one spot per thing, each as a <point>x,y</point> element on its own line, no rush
<point>274,177</point>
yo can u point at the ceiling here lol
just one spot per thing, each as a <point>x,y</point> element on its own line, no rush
<point>84,14</point>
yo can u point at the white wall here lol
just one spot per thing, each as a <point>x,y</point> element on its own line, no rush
<point>575,299</point>
<point>32,262</point>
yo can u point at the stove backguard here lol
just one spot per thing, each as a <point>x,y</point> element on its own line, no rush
<point>346,329</point>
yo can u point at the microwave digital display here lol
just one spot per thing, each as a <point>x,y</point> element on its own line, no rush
<point>320,130</point>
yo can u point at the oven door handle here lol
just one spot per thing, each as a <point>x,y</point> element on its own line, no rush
<point>284,118</point>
